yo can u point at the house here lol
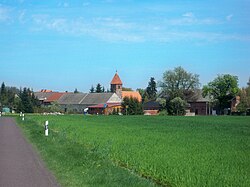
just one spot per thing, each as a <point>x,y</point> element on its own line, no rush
<point>199,105</point>
<point>151,108</point>
<point>95,102</point>
<point>234,103</point>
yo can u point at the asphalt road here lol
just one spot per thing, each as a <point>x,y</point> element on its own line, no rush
<point>20,165</point>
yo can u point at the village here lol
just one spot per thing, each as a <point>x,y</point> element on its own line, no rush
<point>107,103</point>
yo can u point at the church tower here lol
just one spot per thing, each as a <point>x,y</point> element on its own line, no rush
<point>116,85</point>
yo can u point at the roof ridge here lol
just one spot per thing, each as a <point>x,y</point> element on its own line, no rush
<point>83,98</point>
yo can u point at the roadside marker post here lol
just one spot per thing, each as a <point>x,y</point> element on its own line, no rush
<point>0,114</point>
<point>21,114</point>
<point>23,117</point>
<point>46,128</point>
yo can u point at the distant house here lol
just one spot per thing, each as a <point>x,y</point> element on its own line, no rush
<point>151,108</point>
<point>199,105</point>
<point>234,103</point>
<point>96,103</point>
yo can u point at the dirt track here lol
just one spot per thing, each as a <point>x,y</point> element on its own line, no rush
<point>20,165</point>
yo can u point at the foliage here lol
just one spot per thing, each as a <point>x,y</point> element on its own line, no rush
<point>150,92</point>
<point>76,91</point>
<point>19,100</point>
<point>244,99</point>
<point>171,150</point>
<point>222,89</point>
<point>132,106</point>
<point>126,89</point>
<point>92,89</point>
<point>179,83</point>
<point>151,89</point>
<point>162,103</point>
<point>177,106</point>
<point>98,88</point>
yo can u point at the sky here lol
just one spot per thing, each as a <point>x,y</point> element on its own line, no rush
<point>62,45</point>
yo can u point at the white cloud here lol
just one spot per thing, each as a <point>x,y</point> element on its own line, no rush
<point>229,17</point>
<point>85,4</point>
<point>65,5</point>
<point>188,14</point>
<point>190,19</point>
<point>21,16</point>
<point>4,14</point>
<point>114,30</point>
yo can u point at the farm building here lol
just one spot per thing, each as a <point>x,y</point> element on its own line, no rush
<point>101,103</point>
<point>96,102</point>
<point>151,108</point>
<point>199,105</point>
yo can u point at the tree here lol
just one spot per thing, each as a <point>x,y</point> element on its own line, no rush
<point>127,89</point>
<point>27,104</point>
<point>98,88</point>
<point>92,89</point>
<point>244,101</point>
<point>132,106</point>
<point>178,106</point>
<point>244,98</point>
<point>103,89</point>
<point>76,91</point>
<point>151,89</point>
<point>3,96</point>
<point>179,83</point>
<point>222,89</point>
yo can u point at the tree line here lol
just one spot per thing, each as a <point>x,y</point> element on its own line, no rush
<point>173,92</point>
<point>18,100</point>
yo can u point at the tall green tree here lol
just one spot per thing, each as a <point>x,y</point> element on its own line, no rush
<point>76,91</point>
<point>151,89</point>
<point>132,106</point>
<point>223,88</point>
<point>179,83</point>
<point>98,88</point>
<point>92,89</point>
<point>26,101</point>
<point>3,96</point>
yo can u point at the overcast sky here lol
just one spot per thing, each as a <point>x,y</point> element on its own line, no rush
<point>63,45</point>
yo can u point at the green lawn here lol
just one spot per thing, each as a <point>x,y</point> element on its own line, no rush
<point>171,151</point>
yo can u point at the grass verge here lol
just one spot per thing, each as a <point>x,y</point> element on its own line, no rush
<point>75,164</point>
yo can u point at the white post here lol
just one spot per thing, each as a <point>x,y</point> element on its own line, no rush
<point>20,114</point>
<point>0,114</point>
<point>46,128</point>
<point>23,117</point>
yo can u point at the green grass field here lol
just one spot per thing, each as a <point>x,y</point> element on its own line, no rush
<point>144,150</point>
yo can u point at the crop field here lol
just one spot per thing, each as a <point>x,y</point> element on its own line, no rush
<point>144,150</point>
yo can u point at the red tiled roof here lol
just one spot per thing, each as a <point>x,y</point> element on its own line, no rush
<point>116,79</point>
<point>54,97</point>
<point>133,94</point>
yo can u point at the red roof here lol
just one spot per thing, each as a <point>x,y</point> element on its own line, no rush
<point>133,94</point>
<point>116,79</point>
<point>54,97</point>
